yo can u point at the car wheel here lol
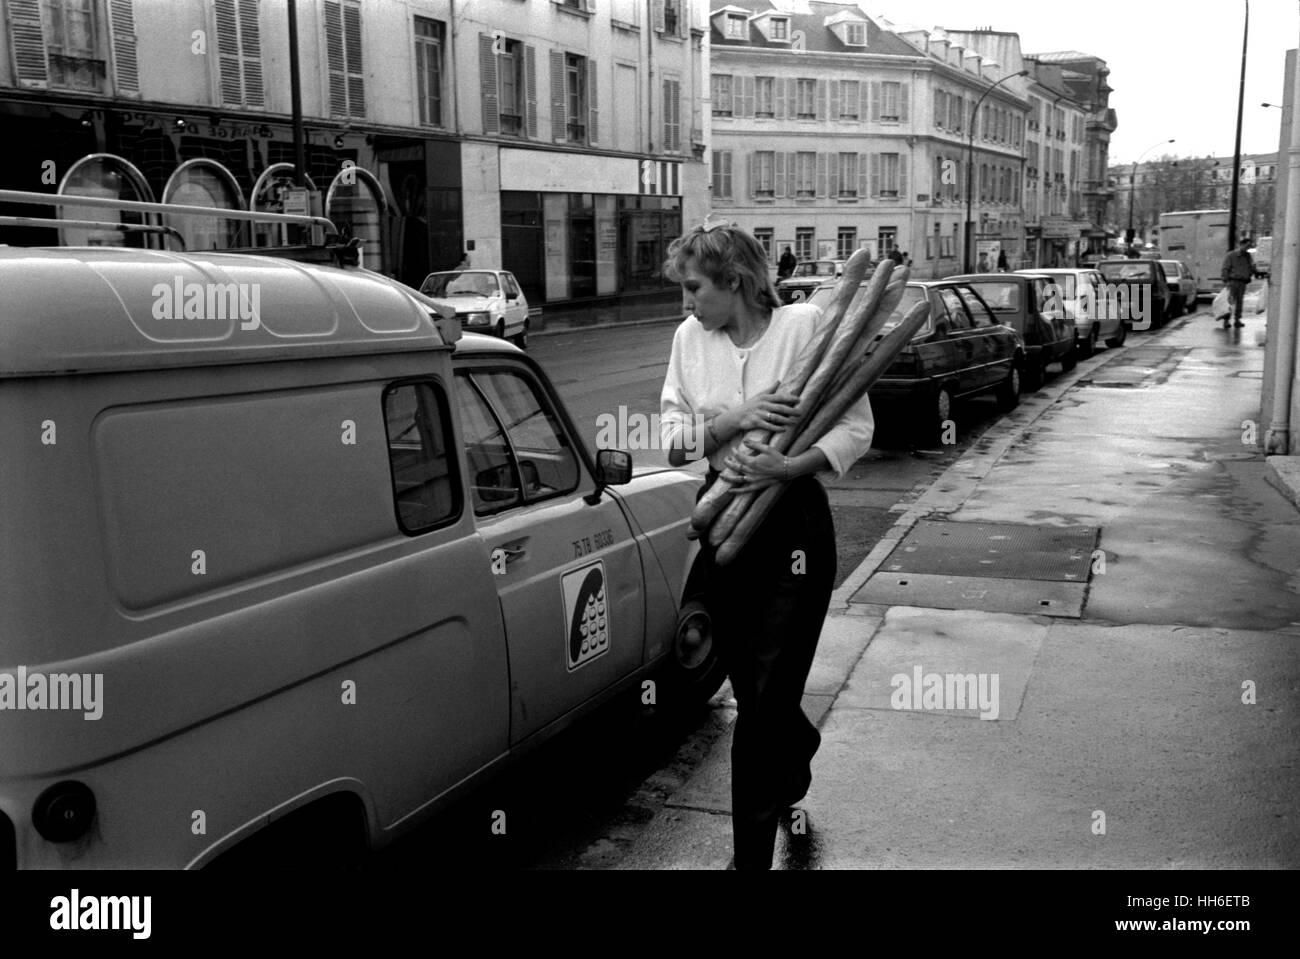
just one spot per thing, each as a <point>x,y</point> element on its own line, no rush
<point>695,667</point>
<point>1035,373</point>
<point>1088,345</point>
<point>1008,392</point>
<point>520,339</point>
<point>501,329</point>
<point>931,416</point>
<point>1071,359</point>
<point>1175,307</point>
<point>1120,336</point>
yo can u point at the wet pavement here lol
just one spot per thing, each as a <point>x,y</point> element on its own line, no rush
<point>1157,729</point>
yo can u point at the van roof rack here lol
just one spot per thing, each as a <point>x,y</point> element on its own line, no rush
<point>338,247</point>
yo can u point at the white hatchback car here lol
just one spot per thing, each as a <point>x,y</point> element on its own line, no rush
<point>487,301</point>
<point>1084,296</point>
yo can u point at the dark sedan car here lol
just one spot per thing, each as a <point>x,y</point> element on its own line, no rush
<point>806,277</point>
<point>961,351</point>
<point>1032,305</point>
<point>1139,290</point>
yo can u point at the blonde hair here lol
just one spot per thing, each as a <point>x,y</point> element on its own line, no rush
<point>724,253</point>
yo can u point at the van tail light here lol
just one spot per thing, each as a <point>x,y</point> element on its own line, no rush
<point>8,845</point>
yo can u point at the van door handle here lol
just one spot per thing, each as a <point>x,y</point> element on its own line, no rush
<point>510,552</point>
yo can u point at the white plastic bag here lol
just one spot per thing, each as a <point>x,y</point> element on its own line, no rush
<point>1221,306</point>
<point>1256,300</point>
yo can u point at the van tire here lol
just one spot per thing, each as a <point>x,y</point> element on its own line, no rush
<point>520,339</point>
<point>1120,336</point>
<point>326,835</point>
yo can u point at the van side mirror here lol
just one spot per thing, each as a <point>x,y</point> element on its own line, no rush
<point>613,468</point>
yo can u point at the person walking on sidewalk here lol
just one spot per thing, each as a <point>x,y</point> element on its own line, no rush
<point>1238,271</point>
<point>785,266</point>
<point>768,604</point>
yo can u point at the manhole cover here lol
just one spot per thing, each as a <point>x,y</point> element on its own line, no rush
<point>994,567</point>
<point>996,550</point>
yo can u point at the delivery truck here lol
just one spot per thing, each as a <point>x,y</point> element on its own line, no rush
<point>1199,238</point>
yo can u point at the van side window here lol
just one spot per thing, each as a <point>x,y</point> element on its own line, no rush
<point>516,447</point>
<point>426,487</point>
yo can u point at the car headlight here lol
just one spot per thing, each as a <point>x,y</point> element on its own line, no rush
<point>478,319</point>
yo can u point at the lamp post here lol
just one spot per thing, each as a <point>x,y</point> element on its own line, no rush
<point>1132,182</point>
<point>1236,154</point>
<point>970,164</point>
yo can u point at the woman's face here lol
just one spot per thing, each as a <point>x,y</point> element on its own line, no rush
<point>713,305</point>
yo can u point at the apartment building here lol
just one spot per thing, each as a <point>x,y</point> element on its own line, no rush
<point>561,139</point>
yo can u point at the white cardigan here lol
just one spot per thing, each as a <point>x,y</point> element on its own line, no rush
<point>708,374</point>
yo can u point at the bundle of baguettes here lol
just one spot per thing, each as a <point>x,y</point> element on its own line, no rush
<point>831,374</point>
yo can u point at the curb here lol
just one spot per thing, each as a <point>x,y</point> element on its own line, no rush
<point>1283,473</point>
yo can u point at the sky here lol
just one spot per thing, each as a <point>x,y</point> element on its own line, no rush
<point>1174,65</point>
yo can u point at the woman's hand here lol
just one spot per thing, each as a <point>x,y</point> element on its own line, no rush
<point>771,410</point>
<point>759,466</point>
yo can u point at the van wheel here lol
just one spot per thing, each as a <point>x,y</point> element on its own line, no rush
<point>1120,336</point>
<point>1008,393</point>
<point>501,329</point>
<point>1070,360</point>
<point>695,668</point>
<point>520,339</point>
<point>1088,345</point>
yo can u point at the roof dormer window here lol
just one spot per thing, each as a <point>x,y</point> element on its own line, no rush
<point>778,28</point>
<point>736,27</point>
<point>850,28</point>
<point>855,34</point>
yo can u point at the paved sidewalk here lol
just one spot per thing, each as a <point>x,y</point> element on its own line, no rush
<point>1121,739</point>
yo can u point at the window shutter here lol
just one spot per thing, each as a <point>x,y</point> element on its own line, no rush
<point>228,53</point>
<point>558,119</point>
<point>779,86</point>
<point>726,174</point>
<point>334,54</point>
<point>749,96</point>
<point>875,101</point>
<point>778,174</point>
<point>902,101</point>
<point>938,108</point>
<point>593,112</point>
<point>903,162</point>
<point>792,174</point>
<point>677,116</point>
<point>836,105</point>
<point>792,96</point>
<point>658,13</point>
<point>862,175</point>
<point>487,78</point>
<point>832,174</point>
<point>530,89</point>
<point>875,174</point>
<point>29,44</point>
<point>250,41</point>
<point>821,174</point>
<point>355,68</point>
<point>126,68</point>
<point>819,101</point>
<point>749,173</point>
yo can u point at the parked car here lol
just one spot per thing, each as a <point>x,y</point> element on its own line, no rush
<point>1182,286</point>
<point>806,278</point>
<point>487,301</point>
<point>1083,294</point>
<point>312,567</point>
<point>963,350</point>
<point>1140,291</point>
<point>1022,301</point>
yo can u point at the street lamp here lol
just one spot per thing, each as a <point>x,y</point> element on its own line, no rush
<point>1277,106</point>
<point>970,164</point>
<point>1132,182</point>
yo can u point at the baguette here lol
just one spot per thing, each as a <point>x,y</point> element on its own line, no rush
<point>866,374</point>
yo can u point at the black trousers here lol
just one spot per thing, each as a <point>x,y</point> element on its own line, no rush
<point>767,607</point>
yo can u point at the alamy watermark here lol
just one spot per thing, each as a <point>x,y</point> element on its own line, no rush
<point>942,691</point>
<point>84,692</point>
<point>179,300</point>
<point>632,431</point>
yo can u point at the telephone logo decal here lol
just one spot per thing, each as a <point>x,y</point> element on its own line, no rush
<point>586,613</point>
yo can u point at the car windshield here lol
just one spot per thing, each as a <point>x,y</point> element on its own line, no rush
<point>1134,270</point>
<point>1001,297</point>
<point>460,283</point>
<point>824,268</point>
<point>823,295</point>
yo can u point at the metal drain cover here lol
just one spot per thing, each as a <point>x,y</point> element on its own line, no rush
<point>994,567</point>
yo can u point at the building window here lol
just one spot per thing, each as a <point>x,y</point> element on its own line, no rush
<point>846,242</point>
<point>672,109</point>
<point>764,173</point>
<point>72,44</point>
<point>848,174</point>
<point>673,19</point>
<point>855,34</point>
<point>721,91</point>
<point>803,242</point>
<point>343,49</point>
<point>805,183</point>
<point>886,239</point>
<point>239,52</point>
<point>889,163</point>
<point>575,96</point>
<point>890,99</point>
<point>850,100</point>
<point>764,236</point>
<point>763,97</point>
<point>957,114</point>
<point>430,35</point>
<point>736,27</point>
<point>805,98</point>
<point>510,84</point>
<point>722,174</point>
<point>779,29</point>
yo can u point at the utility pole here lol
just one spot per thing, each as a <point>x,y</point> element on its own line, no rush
<point>1236,156</point>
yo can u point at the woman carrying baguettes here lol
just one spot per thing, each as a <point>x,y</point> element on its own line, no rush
<point>768,604</point>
